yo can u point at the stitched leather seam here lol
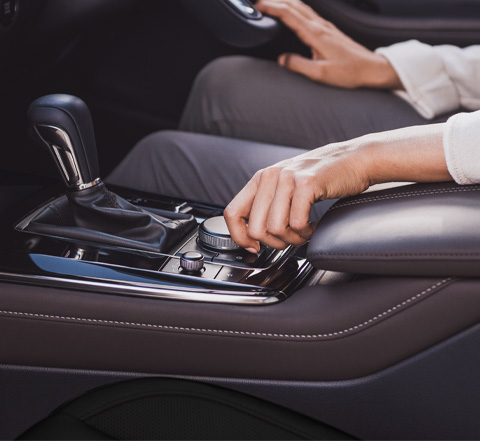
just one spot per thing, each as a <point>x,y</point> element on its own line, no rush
<point>404,195</point>
<point>58,213</point>
<point>313,255</point>
<point>227,332</point>
<point>113,202</point>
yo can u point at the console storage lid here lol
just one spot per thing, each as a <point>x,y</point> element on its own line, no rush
<point>419,230</point>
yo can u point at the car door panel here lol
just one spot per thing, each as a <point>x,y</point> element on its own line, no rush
<point>376,29</point>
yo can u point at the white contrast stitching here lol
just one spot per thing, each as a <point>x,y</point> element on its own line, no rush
<point>335,254</point>
<point>402,195</point>
<point>232,332</point>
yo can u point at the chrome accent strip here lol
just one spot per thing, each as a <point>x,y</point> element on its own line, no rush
<point>60,162</point>
<point>242,296</point>
<point>67,161</point>
<point>89,184</point>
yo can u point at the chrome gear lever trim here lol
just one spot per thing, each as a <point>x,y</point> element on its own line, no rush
<point>89,184</point>
<point>64,154</point>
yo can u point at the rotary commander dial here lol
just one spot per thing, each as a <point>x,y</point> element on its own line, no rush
<point>213,233</point>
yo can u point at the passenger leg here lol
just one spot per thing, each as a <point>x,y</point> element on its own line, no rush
<point>200,167</point>
<point>246,98</point>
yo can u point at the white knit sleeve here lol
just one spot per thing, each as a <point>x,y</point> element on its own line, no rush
<point>461,142</point>
<point>437,79</point>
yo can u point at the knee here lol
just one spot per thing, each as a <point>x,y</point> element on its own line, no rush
<point>154,153</point>
<point>221,78</point>
<point>163,142</point>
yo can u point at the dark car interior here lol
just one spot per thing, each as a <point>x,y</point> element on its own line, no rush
<point>370,331</point>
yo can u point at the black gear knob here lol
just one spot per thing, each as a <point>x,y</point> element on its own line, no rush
<point>63,123</point>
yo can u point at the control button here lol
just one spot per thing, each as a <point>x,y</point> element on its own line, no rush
<point>192,261</point>
<point>230,274</point>
<point>241,258</point>
<point>209,270</point>
<point>213,233</point>
<point>8,11</point>
<point>246,259</point>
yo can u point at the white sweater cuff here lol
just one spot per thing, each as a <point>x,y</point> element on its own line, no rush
<point>461,142</point>
<point>428,88</point>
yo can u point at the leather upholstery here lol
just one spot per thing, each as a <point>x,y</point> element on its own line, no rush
<point>100,216</point>
<point>418,230</point>
<point>326,332</point>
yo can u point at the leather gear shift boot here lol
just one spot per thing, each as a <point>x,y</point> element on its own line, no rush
<point>98,215</point>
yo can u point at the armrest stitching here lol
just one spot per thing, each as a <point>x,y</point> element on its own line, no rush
<point>319,254</point>
<point>402,195</point>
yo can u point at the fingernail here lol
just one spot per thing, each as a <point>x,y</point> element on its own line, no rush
<point>281,60</point>
<point>252,250</point>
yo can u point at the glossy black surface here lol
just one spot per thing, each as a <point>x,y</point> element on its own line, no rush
<point>238,276</point>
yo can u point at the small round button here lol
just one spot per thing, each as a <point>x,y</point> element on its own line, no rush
<point>192,261</point>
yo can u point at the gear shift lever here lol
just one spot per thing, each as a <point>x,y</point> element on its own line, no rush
<point>64,124</point>
<point>90,212</point>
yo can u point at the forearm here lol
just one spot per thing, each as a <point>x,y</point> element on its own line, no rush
<point>274,207</point>
<point>408,154</point>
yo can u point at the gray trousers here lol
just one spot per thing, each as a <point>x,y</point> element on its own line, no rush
<point>265,108</point>
<point>201,167</point>
<point>246,98</point>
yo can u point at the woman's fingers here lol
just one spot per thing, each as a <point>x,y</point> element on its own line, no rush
<point>303,198</point>
<point>265,211</point>
<point>258,221</point>
<point>275,7</point>
<point>278,223</point>
<point>247,214</point>
<point>297,21</point>
<point>313,69</point>
<point>237,214</point>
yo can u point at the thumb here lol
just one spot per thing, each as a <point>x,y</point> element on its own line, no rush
<point>305,66</point>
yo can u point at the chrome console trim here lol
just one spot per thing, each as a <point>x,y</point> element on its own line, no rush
<point>242,296</point>
<point>46,270</point>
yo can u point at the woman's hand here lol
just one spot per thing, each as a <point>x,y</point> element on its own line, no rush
<point>274,207</point>
<point>336,59</point>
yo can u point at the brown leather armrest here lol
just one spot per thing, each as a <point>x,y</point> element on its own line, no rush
<point>419,230</point>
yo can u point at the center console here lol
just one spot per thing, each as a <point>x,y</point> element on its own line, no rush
<point>127,242</point>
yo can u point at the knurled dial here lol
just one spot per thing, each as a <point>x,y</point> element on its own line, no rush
<point>213,233</point>
<point>192,261</point>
